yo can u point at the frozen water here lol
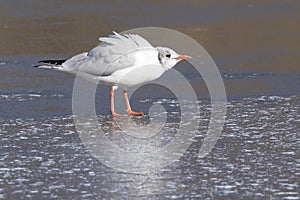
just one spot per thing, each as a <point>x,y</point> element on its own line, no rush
<point>256,156</point>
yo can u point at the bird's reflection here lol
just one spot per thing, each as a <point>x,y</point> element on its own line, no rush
<point>127,120</point>
<point>137,133</point>
<point>127,143</point>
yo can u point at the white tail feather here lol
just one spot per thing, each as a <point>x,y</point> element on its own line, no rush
<point>50,66</point>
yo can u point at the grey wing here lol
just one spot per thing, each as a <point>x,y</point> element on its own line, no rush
<point>114,53</point>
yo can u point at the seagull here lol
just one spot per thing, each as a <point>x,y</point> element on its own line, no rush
<point>120,60</point>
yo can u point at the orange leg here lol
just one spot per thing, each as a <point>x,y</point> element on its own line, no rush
<point>112,104</point>
<point>130,112</point>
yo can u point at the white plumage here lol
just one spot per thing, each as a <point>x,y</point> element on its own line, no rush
<point>120,60</point>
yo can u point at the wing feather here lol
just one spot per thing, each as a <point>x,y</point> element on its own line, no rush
<point>114,53</point>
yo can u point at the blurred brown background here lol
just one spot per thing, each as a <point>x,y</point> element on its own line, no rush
<point>259,36</point>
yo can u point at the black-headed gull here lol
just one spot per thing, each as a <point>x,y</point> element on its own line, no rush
<point>119,61</point>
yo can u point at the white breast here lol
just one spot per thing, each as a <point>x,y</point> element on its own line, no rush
<point>146,68</point>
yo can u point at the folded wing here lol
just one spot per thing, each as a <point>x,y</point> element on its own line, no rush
<point>114,53</point>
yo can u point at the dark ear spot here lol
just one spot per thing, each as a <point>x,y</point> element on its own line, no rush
<point>159,57</point>
<point>168,55</point>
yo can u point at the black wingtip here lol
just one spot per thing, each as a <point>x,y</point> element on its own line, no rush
<point>53,62</point>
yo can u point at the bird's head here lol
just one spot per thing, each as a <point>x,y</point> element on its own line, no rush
<point>168,58</point>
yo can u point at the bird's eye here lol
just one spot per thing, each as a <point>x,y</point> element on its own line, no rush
<point>168,55</point>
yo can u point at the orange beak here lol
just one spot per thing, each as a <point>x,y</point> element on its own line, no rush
<point>182,57</point>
